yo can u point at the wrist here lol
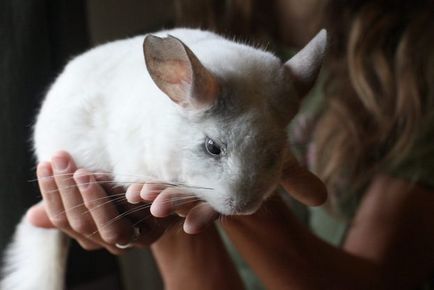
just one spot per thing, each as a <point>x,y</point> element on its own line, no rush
<point>275,245</point>
<point>184,261</point>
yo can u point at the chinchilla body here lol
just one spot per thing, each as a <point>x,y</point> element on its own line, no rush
<point>181,106</point>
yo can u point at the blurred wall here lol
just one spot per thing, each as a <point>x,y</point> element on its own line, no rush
<point>114,19</point>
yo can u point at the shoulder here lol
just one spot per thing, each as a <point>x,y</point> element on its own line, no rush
<point>417,164</point>
<point>392,196</point>
<point>394,228</point>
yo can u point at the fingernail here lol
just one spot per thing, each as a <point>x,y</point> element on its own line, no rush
<point>132,198</point>
<point>133,193</point>
<point>44,171</point>
<point>83,181</point>
<point>60,163</point>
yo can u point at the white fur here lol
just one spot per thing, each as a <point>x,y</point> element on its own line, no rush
<point>35,260</point>
<point>107,112</point>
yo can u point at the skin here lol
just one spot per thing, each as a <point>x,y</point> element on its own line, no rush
<point>77,206</point>
<point>194,253</point>
<point>390,244</point>
<point>83,194</point>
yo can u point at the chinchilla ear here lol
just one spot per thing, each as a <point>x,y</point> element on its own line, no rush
<point>305,65</point>
<point>178,73</point>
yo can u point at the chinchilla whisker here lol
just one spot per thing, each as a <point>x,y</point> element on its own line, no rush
<point>46,177</point>
<point>87,183</point>
<point>118,217</point>
<point>111,173</point>
<point>179,223</point>
<point>112,200</point>
<point>74,186</point>
<point>158,191</point>
<point>82,204</point>
<point>168,184</point>
<point>181,202</point>
<point>184,201</point>
<point>141,220</point>
<point>94,173</point>
<point>137,209</point>
<point>195,187</point>
<point>180,185</point>
<point>121,197</point>
<point>222,218</point>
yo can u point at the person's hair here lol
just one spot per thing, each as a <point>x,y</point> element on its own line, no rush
<point>379,86</point>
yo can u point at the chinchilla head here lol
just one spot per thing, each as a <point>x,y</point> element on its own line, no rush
<point>235,111</point>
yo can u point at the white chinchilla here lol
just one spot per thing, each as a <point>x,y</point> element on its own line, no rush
<point>200,110</point>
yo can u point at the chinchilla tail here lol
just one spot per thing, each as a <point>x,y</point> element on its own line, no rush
<point>35,259</point>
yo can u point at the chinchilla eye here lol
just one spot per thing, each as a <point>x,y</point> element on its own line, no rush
<point>212,148</point>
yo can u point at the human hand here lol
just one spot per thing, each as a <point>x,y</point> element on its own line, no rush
<point>302,184</point>
<point>75,202</point>
<point>168,200</point>
<point>297,181</point>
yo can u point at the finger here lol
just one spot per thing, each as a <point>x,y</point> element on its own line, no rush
<point>91,243</point>
<point>106,182</point>
<point>151,190</point>
<point>37,216</point>
<point>199,218</point>
<point>52,208</point>
<point>52,200</point>
<point>111,226</point>
<point>85,243</point>
<point>303,185</point>
<point>51,211</point>
<point>153,228</point>
<point>133,193</point>
<point>173,201</point>
<point>169,200</point>
<point>78,217</point>
<point>183,210</point>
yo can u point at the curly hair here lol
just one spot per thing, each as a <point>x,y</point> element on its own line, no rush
<point>379,84</point>
<point>379,88</point>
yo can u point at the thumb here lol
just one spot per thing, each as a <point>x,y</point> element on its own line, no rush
<point>37,216</point>
<point>302,184</point>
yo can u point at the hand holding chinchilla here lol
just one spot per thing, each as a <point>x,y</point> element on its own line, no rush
<point>203,115</point>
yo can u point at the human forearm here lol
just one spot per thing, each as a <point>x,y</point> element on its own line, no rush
<point>285,255</point>
<point>195,261</point>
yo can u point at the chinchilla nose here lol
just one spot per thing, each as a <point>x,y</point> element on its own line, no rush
<point>243,206</point>
<point>248,194</point>
<point>245,199</point>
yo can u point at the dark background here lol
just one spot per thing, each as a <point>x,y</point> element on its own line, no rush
<point>37,38</point>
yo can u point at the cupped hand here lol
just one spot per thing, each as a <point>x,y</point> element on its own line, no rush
<point>168,200</point>
<point>75,202</point>
<point>300,183</point>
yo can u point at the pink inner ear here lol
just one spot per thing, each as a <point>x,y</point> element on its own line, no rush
<point>174,72</point>
<point>178,73</point>
<point>173,77</point>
